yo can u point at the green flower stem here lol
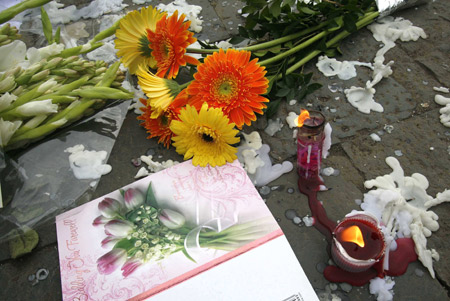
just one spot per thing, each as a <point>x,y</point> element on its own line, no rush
<point>24,98</point>
<point>269,44</point>
<point>71,86</point>
<point>57,98</point>
<point>294,49</point>
<point>287,38</point>
<point>78,50</point>
<point>185,85</point>
<point>364,21</point>
<point>101,92</point>
<point>77,108</point>
<point>71,113</point>
<point>106,33</point>
<point>12,11</point>
<point>33,123</point>
<point>109,76</point>
<point>38,131</point>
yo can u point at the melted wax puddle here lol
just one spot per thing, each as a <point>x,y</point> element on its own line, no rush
<point>87,164</point>
<point>387,31</point>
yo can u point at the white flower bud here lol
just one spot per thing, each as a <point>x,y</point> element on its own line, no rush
<point>7,129</point>
<point>171,219</point>
<point>41,107</point>
<point>7,84</point>
<point>6,100</point>
<point>44,87</point>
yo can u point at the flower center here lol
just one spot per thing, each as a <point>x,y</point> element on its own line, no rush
<point>165,48</point>
<point>207,138</point>
<point>225,88</point>
<point>164,120</point>
<point>206,134</point>
<point>144,46</point>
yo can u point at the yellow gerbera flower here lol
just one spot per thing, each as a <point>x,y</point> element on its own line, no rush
<point>160,91</point>
<point>204,136</point>
<point>132,41</point>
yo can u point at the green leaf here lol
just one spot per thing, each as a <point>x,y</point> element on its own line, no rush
<point>243,32</point>
<point>282,92</point>
<point>275,49</point>
<point>307,78</point>
<point>350,22</point>
<point>46,25</point>
<point>275,8</point>
<point>291,94</point>
<point>57,36</point>
<point>272,108</point>
<point>302,93</point>
<point>313,87</point>
<point>288,2</point>
<point>265,13</point>
<point>290,81</point>
<point>124,244</point>
<point>187,255</point>
<point>259,53</point>
<point>150,197</point>
<point>249,9</point>
<point>307,10</point>
<point>271,82</point>
<point>237,39</point>
<point>336,24</point>
<point>330,52</point>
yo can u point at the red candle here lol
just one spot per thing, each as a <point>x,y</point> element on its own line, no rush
<point>310,138</point>
<point>358,242</point>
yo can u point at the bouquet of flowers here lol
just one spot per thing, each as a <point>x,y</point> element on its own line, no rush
<point>230,87</point>
<point>139,231</point>
<point>44,89</point>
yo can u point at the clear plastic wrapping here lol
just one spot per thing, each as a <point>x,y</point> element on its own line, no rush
<point>38,182</point>
<point>387,7</point>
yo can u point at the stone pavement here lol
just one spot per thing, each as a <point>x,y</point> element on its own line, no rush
<point>407,97</point>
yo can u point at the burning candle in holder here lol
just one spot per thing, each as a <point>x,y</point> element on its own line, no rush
<point>358,242</point>
<point>310,137</point>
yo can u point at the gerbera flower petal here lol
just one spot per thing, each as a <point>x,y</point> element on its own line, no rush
<point>204,136</point>
<point>131,38</point>
<point>169,42</point>
<point>160,91</point>
<point>160,126</point>
<point>230,81</point>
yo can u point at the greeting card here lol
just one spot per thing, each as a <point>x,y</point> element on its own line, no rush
<point>187,232</point>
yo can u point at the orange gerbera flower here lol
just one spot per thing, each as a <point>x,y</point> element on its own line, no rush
<point>160,126</point>
<point>230,81</point>
<point>169,42</point>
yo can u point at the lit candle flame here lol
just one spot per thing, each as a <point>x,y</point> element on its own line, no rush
<point>353,234</point>
<point>302,117</point>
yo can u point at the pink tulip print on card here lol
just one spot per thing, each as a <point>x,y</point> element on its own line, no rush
<point>159,231</point>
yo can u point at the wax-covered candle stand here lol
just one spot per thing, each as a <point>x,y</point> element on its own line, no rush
<point>310,136</point>
<point>356,244</point>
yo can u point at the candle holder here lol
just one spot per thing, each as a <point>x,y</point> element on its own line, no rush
<point>358,242</point>
<point>310,138</point>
